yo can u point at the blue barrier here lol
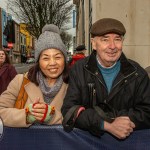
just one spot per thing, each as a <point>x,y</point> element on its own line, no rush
<point>55,138</point>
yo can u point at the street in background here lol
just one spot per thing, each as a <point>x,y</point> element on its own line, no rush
<point>22,68</point>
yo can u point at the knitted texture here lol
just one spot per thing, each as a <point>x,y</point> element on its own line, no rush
<point>50,38</point>
<point>30,118</point>
<point>107,25</point>
<point>49,92</point>
<point>49,114</point>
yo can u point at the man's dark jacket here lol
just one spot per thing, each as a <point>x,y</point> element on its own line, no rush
<point>129,96</point>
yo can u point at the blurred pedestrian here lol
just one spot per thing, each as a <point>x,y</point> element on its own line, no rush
<point>45,88</point>
<point>79,54</point>
<point>7,71</point>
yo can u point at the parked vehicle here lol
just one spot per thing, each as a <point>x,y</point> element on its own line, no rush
<point>30,60</point>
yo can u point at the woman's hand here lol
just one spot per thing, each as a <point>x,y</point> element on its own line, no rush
<point>39,112</point>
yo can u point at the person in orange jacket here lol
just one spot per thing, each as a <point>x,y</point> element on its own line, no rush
<point>80,54</point>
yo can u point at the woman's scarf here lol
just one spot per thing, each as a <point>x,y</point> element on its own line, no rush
<point>48,92</point>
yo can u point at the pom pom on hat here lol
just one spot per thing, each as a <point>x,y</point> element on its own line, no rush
<point>51,28</point>
<point>50,38</point>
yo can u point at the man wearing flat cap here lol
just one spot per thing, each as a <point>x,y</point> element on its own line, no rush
<point>107,92</point>
<point>80,48</point>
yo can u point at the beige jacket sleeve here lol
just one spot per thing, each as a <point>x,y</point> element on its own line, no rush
<point>11,116</point>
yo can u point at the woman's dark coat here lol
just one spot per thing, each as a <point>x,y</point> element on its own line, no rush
<point>7,73</point>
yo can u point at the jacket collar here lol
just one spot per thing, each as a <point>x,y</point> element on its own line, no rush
<point>34,92</point>
<point>126,67</point>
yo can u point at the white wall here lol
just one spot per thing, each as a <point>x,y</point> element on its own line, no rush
<point>135,15</point>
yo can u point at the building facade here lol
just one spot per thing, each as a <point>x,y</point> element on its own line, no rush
<point>15,39</point>
<point>10,45</point>
<point>28,43</point>
<point>134,14</point>
<point>4,18</point>
<point>16,45</point>
<point>23,47</point>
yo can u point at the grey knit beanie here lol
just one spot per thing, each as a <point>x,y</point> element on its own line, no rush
<point>50,38</point>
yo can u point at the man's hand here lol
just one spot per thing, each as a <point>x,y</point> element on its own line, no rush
<point>121,127</point>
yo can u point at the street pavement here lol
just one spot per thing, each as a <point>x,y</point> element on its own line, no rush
<point>22,67</point>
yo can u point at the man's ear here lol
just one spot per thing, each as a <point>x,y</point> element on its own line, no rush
<point>93,42</point>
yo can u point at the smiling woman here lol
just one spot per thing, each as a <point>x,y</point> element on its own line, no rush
<point>52,64</point>
<point>43,87</point>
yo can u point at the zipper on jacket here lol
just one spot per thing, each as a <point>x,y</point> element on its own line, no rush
<point>104,85</point>
<point>122,80</point>
<point>96,77</point>
<point>94,92</point>
<point>94,97</point>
